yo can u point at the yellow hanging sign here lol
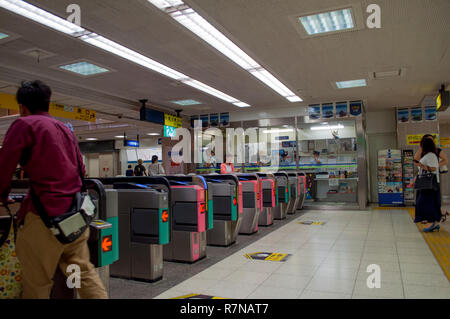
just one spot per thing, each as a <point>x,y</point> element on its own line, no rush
<point>173,120</point>
<point>445,142</point>
<point>414,139</point>
<point>8,101</point>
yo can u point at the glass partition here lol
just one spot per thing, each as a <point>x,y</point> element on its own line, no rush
<point>328,156</point>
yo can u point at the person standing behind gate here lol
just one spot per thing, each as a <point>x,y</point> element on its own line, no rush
<point>140,170</point>
<point>428,201</point>
<point>155,168</point>
<point>34,139</point>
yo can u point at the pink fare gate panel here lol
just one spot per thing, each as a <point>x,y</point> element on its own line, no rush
<point>201,206</point>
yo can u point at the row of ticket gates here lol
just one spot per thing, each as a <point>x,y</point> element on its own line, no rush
<point>173,218</point>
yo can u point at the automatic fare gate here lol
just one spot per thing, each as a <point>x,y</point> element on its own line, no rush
<point>227,205</point>
<point>302,183</point>
<point>294,182</point>
<point>269,198</point>
<point>284,194</point>
<point>144,214</point>
<point>103,239</point>
<point>252,203</point>
<point>192,216</point>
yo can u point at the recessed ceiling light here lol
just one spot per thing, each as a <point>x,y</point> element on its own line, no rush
<point>328,22</point>
<point>3,36</point>
<point>191,20</point>
<point>351,84</point>
<point>153,134</point>
<point>241,104</point>
<point>186,102</point>
<point>91,139</point>
<point>84,68</point>
<point>54,22</point>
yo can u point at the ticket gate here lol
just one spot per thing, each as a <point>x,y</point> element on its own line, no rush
<point>192,216</point>
<point>283,194</point>
<point>251,201</point>
<point>103,239</point>
<point>301,202</point>
<point>294,182</point>
<point>227,203</point>
<point>269,198</point>
<point>144,212</point>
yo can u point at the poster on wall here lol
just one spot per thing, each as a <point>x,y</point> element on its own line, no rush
<point>403,115</point>
<point>416,114</point>
<point>214,120</point>
<point>193,119</point>
<point>445,142</point>
<point>430,113</point>
<point>205,120</point>
<point>414,139</point>
<point>327,110</point>
<point>314,111</point>
<point>224,119</point>
<point>341,109</point>
<point>355,108</point>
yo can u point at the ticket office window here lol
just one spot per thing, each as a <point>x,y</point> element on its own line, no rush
<point>328,156</point>
<point>275,149</point>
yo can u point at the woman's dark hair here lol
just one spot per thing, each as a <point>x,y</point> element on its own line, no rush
<point>426,136</point>
<point>428,146</point>
<point>154,158</point>
<point>34,95</point>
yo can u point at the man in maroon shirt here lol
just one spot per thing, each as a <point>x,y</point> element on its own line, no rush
<point>48,153</point>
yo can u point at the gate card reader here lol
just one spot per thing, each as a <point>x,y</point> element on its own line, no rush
<point>252,203</point>
<point>294,182</point>
<point>144,227</point>
<point>284,194</point>
<point>270,199</point>
<point>226,193</point>
<point>189,205</point>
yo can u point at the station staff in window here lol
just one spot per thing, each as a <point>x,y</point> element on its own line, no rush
<point>228,167</point>
<point>34,139</point>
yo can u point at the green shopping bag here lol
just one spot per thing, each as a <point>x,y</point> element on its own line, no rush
<point>10,271</point>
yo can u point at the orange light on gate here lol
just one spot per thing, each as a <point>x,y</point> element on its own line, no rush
<point>165,216</point>
<point>257,196</point>
<point>287,190</point>
<point>234,201</point>
<point>202,208</point>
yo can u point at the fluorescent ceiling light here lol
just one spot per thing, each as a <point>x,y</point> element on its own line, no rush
<point>119,136</point>
<point>84,68</point>
<point>241,104</point>
<point>328,127</point>
<point>162,4</point>
<point>186,102</point>
<point>272,131</point>
<point>3,36</point>
<point>351,84</point>
<point>328,22</point>
<point>91,139</point>
<point>198,25</point>
<point>153,134</point>
<point>41,16</point>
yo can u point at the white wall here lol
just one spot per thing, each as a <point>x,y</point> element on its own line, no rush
<point>381,122</point>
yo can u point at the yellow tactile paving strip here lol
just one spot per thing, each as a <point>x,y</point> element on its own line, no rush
<point>439,243</point>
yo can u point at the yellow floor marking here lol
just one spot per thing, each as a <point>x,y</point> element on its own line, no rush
<point>439,243</point>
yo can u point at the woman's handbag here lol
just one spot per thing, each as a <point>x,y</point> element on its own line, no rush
<point>426,180</point>
<point>10,270</point>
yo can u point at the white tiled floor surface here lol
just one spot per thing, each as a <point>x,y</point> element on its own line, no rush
<point>329,261</point>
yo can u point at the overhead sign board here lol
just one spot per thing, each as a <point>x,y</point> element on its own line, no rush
<point>170,131</point>
<point>173,120</point>
<point>8,101</point>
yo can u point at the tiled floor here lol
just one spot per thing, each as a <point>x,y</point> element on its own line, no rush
<point>329,261</point>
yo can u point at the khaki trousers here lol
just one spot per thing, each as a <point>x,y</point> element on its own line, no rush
<point>39,253</point>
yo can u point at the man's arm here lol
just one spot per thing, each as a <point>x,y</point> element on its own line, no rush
<point>17,139</point>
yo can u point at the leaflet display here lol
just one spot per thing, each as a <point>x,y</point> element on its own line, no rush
<point>390,182</point>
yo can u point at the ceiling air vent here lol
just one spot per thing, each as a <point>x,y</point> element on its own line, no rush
<point>38,54</point>
<point>387,74</point>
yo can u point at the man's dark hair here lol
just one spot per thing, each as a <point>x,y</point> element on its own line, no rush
<point>129,166</point>
<point>154,158</point>
<point>428,146</point>
<point>34,95</point>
